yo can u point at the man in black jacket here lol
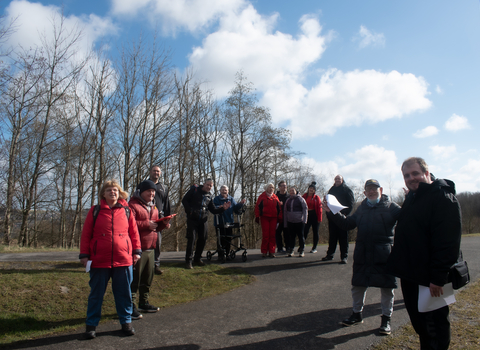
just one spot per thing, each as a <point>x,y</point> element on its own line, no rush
<point>336,234</point>
<point>282,195</point>
<point>426,245</point>
<point>197,202</point>
<point>162,202</point>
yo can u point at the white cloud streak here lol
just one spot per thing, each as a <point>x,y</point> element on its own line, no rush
<point>426,132</point>
<point>368,38</point>
<point>456,123</point>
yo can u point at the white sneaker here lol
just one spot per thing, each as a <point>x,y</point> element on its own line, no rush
<point>313,251</point>
<point>301,255</point>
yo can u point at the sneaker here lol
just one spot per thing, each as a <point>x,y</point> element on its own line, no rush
<point>90,332</point>
<point>148,308</point>
<point>264,255</point>
<point>355,318</point>
<point>385,326</point>
<point>327,258</point>
<point>199,262</point>
<point>158,271</point>
<point>188,265</point>
<point>290,254</point>
<point>313,251</point>
<point>281,250</point>
<point>343,261</point>
<point>135,314</point>
<point>301,255</point>
<point>271,255</point>
<point>127,329</point>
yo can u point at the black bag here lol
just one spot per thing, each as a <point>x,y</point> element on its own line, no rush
<point>458,274</point>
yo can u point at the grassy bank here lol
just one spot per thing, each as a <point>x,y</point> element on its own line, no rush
<point>43,298</point>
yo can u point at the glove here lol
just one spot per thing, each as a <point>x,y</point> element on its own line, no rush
<point>257,220</point>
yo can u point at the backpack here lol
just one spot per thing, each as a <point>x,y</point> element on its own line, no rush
<point>96,210</point>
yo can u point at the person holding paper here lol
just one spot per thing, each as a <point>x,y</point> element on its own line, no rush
<point>345,197</point>
<point>111,242</point>
<point>268,212</point>
<point>375,220</point>
<point>426,245</point>
<point>145,212</point>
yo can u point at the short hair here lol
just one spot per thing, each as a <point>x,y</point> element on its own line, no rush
<point>223,186</point>
<point>295,188</point>
<point>412,160</point>
<point>208,180</point>
<point>282,182</point>
<point>268,185</point>
<point>155,166</point>
<point>112,183</point>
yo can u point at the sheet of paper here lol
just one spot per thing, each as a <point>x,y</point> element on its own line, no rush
<point>334,204</point>
<point>89,264</point>
<point>428,303</point>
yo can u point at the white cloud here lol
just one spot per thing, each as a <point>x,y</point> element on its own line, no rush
<point>439,90</point>
<point>467,178</point>
<point>426,132</point>
<point>192,15</point>
<point>456,123</point>
<point>443,151</point>
<point>369,38</point>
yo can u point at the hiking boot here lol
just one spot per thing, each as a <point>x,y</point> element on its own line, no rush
<point>301,255</point>
<point>385,326</point>
<point>199,262</point>
<point>327,258</point>
<point>264,255</point>
<point>148,308</point>
<point>271,255</point>
<point>188,265</point>
<point>127,329</point>
<point>90,332</point>
<point>135,314</point>
<point>158,271</point>
<point>355,318</point>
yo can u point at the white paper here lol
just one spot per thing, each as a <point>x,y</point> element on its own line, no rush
<point>428,303</point>
<point>87,267</point>
<point>334,204</point>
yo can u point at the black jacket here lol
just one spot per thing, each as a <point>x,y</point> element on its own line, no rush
<point>374,241</point>
<point>345,197</point>
<point>197,203</point>
<point>162,200</point>
<point>428,234</point>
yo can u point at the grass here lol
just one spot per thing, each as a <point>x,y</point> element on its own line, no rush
<point>44,298</point>
<point>464,319</point>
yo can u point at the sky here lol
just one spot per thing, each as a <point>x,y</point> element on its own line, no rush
<point>362,85</point>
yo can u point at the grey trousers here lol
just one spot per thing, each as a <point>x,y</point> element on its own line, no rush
<point>358,296</point>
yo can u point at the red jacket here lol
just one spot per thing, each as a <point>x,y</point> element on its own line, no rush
<point>268,206</point>
<point>112,240</point>
<point>143,218</point>
<point>317,205</point>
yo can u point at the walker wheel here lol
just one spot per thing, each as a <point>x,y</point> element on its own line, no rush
<point>244,256</point>
<point>209,255</point>
<point>232,255</point>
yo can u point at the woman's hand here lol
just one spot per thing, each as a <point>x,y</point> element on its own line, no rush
<point>152,225</point>
<point>136,257</point>
<point>84,261</point>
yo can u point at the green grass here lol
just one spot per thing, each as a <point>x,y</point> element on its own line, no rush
<point>464,319</point>
<point>44,298</point>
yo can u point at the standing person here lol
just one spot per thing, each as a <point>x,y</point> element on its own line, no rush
<point>314,204</point>
<point>268,213</point>
<point>145,212</point>
<point>426,245</point>
<point>111,242</point>
<point>295,214</point>
<point>162,202</point>
<point>197,202</point>
<point>375,219</point>
<point>345,197</point>
<point>226,218</point>
<point>281,234</point>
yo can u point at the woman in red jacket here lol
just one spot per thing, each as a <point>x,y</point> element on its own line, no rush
<point>111,244</point>
<point>268,213</point>
<point>314,204</point>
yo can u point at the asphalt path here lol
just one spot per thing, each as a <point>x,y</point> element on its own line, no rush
<point>295,303</point>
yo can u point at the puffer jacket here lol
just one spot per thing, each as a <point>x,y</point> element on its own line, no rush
<point>113,239</point>
<point>428,234</point>
<point>143,214</point>
<point>317,205</point>
<point>295,210</point>
<point>268,206</point>
<point>197,203</point>
<point>374,241</point>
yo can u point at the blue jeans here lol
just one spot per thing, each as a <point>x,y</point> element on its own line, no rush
<point>121,280</point>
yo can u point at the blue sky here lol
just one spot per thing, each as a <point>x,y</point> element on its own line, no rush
<point>361,84</point>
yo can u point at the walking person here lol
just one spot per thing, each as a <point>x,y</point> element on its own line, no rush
<point>295,214</point>
<point>314,204</point>
<point>268,213</point>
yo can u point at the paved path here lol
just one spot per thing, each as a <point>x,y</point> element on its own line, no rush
<point>296,303</point>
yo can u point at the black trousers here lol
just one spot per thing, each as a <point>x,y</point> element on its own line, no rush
<point>312,221</point>
<point>196,231</point>
<point>278,236</point>
<point>336,234</point>
<point>433,327</point>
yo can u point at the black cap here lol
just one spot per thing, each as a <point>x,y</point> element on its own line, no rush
<point>372,182</point>
<point>146,185</point>
<point>313,185</point>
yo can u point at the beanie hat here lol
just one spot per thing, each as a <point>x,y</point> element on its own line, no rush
<point>313,185</point>
<point>146,185</point>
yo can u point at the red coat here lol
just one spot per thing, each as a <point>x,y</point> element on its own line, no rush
<point>268,206</point>
<point>113,240</point>
<point>317,204</point>
<point>143,218</point>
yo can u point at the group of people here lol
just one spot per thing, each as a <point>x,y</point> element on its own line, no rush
<point>121,241</point>
<point>418,242</point>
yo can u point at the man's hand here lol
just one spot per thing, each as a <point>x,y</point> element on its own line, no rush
<point>435,291</point>
<point>257,220</point>
<point>84,261</point>
<point>325,205</point>
<point>152,225</point>
<point>243,201</point>
<point>136,257</point>
<point>226,205</point>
